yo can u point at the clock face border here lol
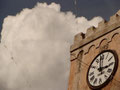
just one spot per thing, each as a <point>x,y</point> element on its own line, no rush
<point>112,74</point>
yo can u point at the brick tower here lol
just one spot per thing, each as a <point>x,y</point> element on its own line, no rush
<point>95,57</point>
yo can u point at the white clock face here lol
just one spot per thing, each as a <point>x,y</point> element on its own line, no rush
<point>101,68</point>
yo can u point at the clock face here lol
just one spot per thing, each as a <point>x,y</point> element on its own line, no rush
<point>102,69</point>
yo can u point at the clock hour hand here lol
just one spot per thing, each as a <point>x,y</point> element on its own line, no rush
<point>102,72</point>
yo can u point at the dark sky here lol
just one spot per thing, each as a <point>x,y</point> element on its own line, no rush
<point>86,8</point>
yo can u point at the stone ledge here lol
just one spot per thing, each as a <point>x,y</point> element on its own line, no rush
<point>93,33</point>
<point>90,31</point>
<point>80,36</point>
<point>95,36</point>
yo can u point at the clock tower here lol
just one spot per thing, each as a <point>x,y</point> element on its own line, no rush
<point>95,57</point>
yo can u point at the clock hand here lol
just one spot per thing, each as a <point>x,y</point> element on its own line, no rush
<point>101,63</point>
<point>102,58</point>
<point>99,69</point>
<point>102,72</point>
<point>107,66</point>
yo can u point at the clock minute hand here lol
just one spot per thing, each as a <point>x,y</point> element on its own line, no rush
<point>107,65</point>
<point>102,58</point>
<point>99,69</point>
<point>101,63</point>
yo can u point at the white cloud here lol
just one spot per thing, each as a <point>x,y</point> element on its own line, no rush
<point>34,49</point>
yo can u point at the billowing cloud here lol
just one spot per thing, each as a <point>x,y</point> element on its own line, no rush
<point>34,49</point>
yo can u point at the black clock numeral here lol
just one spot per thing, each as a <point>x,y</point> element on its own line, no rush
<point>102,56</point>
<point>92,78</point>
<point>109,70</point>
<point>97,61</point>
<point>94,67</point>
<point>95,81</point>
<point>107,55</point>
<point>91,73</point>
<point>110,58</point>
<point>100,80</point>
<point>105,76</point>
<point>111,63</point>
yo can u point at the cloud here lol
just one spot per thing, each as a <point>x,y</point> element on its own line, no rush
<point>34,49</point>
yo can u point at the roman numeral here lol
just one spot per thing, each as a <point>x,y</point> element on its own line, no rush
<point>93,67</point>
<point>102,56</point>
<point>109,70</point>
<point>105,76</point>
<point>111,63</point>
<point>110,58</point>
<point>97,61</point>
<point>91,73</point>
<point>92,78</point>
<point>95,81</point>
<point>107,55</point>
<point>100,80</point>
